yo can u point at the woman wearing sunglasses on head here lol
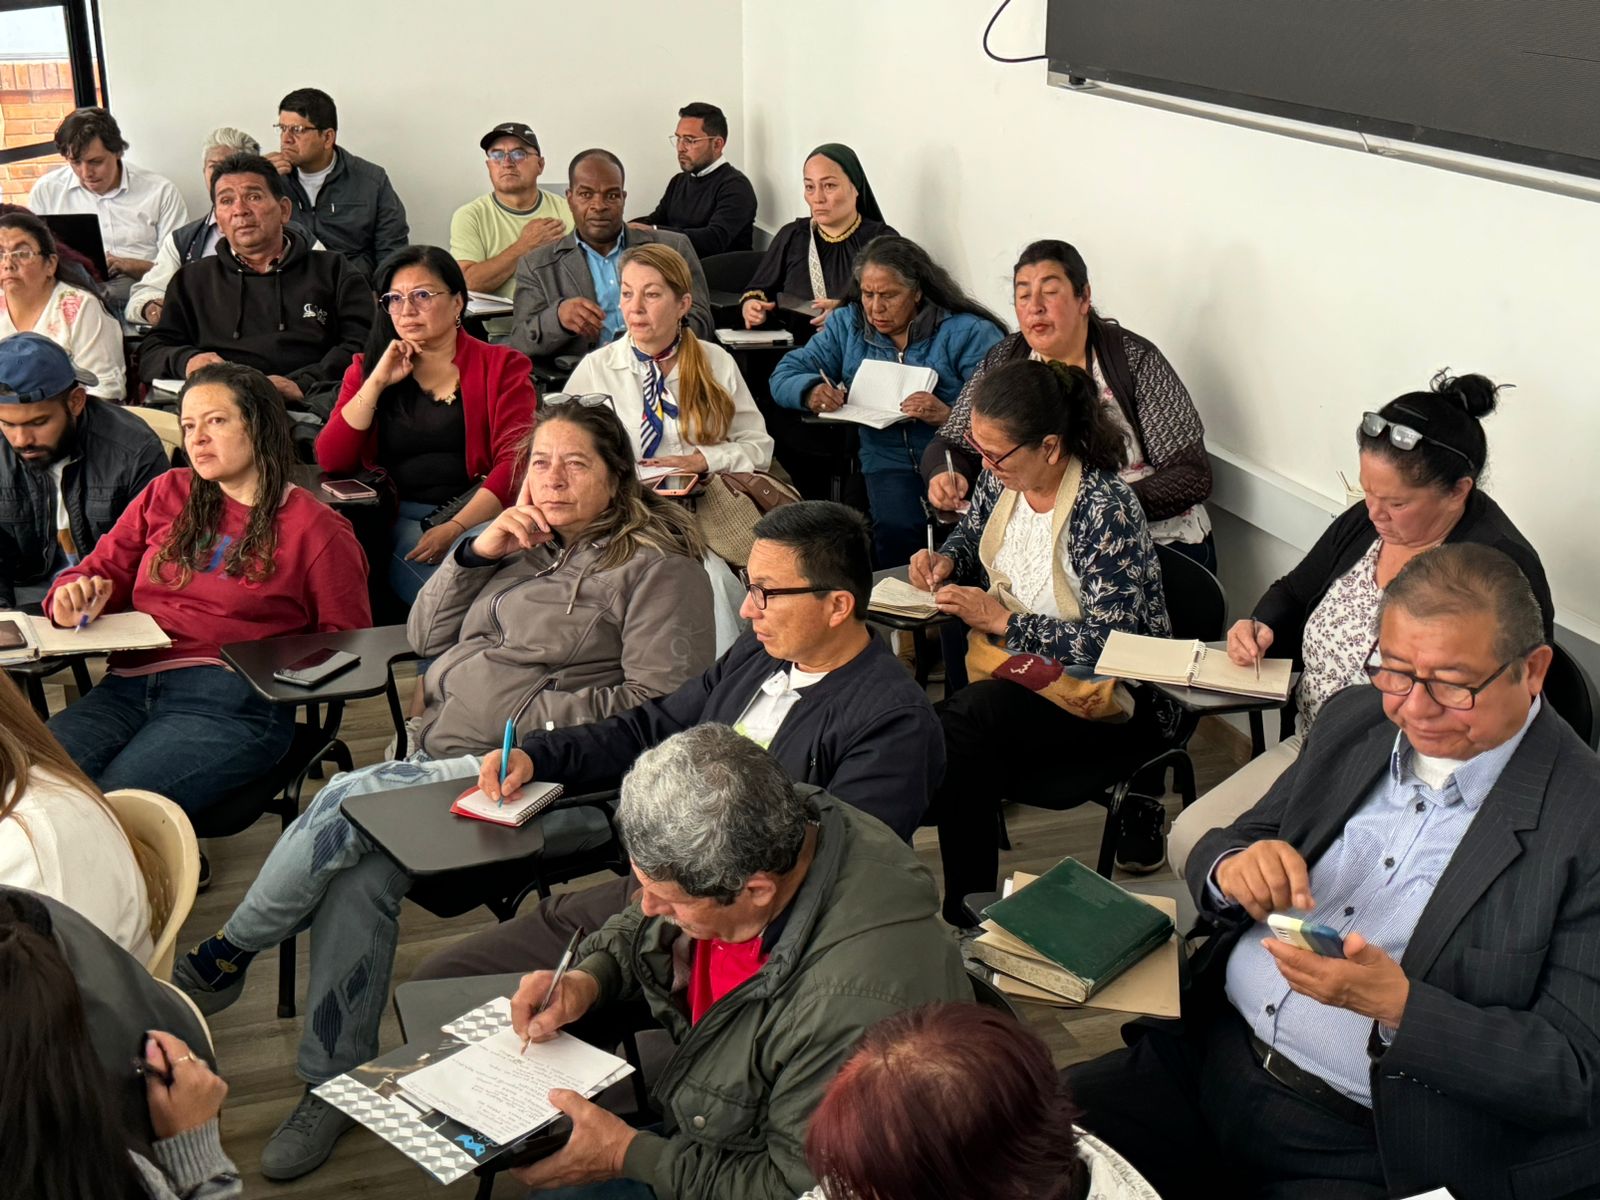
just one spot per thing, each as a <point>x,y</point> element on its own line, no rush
<point>437,411</point>
<point>1422,459</point>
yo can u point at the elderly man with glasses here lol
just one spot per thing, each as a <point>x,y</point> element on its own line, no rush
<point>809,683</point>
<point>265,299</point>
<point>710,201</point>
<point>1442,823</point>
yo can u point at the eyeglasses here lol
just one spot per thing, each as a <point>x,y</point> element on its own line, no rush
<point>515,157</point>
<point>985,455</point>
<point>1459,696</point>
<point>587,399</point>
<point>1404,437</point>
<point>762,594</point>
<point>296,131</point>
<point>682,139</point>
<point>22,257</point>
<point>420,299</point>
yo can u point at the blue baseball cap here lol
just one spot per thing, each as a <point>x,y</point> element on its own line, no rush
<point>33,368</point>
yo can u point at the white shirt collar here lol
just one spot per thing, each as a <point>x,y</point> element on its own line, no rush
<point>706,170</point>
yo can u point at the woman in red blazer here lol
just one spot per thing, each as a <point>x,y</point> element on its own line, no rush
<point>433,408</point>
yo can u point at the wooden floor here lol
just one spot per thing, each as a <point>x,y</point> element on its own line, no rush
<point>256,1050</point>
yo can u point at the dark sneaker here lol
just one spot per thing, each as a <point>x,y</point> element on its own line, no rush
<point>212,974</point>
<point>1142,846</point>
<point>303,1142</point>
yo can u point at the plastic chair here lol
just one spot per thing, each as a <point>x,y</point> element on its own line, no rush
<point>190,1004</point>
<point>163,424</point>
<point>171,866</point>
<point>731,271</point>
<point>1571,692</point>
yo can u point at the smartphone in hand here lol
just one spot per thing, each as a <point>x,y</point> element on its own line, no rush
<point>1296,931</point>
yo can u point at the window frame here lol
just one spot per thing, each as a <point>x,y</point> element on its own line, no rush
<point>85,54</point>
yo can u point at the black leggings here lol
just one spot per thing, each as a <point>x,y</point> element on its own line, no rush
<point>1002,742</point>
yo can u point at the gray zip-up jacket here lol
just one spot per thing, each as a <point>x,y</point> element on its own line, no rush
<point>546,635</point>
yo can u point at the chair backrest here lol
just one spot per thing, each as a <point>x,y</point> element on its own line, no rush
<point>730,271</point>
<point>171,865</point>
<point>1571,692</point>
<point>1196,603</point>
<point>986,994</point>
<point>163,424</point>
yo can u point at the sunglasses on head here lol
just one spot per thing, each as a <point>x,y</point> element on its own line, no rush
<point>1405,437</point>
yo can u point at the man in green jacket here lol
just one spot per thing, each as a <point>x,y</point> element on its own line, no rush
<point>774,925</point>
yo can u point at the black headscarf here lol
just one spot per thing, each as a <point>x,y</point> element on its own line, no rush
<point>866,202</point>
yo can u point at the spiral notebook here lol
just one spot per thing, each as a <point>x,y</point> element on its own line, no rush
<point>535,798</point>
<point>1179,663</point>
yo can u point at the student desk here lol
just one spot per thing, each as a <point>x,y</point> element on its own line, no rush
<point>1216,704</point>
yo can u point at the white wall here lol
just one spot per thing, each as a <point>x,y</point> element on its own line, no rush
<point>418,82</point>
<point>1292,284</point>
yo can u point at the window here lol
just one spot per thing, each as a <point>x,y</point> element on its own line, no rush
<point>50,64</point>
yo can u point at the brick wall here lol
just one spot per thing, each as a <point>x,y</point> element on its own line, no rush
<point>34,96</point>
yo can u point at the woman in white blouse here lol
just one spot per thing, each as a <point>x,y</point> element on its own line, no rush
<point>33,296</point>
<point>682,400</point>
<point>58,837</point>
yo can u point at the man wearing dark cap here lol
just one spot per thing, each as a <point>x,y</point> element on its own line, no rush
<point>489,234</point>
<point>69,466</point>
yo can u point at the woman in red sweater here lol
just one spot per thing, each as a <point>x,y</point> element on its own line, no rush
<point>432,407</point>
<point>228,551</point>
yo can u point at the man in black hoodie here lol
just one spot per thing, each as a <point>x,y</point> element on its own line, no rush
<point>265,299</point>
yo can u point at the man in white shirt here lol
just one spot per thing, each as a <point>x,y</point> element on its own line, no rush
<point>138,210</point>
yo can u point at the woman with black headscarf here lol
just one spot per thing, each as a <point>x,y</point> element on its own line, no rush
<point>810,257</point>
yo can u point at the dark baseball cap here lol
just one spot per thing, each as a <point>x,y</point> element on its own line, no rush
<point>33,368</point>
<point>514,129</point>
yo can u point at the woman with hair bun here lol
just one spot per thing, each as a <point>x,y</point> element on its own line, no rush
<point>1422,461</point>
<point>1053,555</point>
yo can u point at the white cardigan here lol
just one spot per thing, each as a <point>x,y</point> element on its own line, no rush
<point>612,369</point>
<point>63,843</point>
<point>80,325</point>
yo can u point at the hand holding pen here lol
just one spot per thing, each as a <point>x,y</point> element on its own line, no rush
<point>826,396</point>
<point>505,759</point>
<point>79,601</point>
<point>1248,643</point>
<point>182,1091</point>
<point>548,1000</point>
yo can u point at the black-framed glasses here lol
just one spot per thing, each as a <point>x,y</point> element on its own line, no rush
<point>1460,696</point>
<point>296,131</point>
<point>420,299</point>
<point>985,455</point>
<point>762,594</point>
<point>587,399</point>
<point>513,156</point>
<point>1405,437</point>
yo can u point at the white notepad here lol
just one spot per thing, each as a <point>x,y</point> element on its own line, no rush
<point>896,596</point>
<point>755,337</point>
<point>1191,664</point>
<point>876,392</point>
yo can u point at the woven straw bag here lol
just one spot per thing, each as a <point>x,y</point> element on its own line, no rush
<point>727,511</point>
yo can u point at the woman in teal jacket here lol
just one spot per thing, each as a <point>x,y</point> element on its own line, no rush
<point>901,307</point>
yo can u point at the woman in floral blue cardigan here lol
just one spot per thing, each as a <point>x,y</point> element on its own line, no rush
<point>1052,556</point>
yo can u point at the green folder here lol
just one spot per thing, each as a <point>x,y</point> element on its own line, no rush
<point>1082,922</point>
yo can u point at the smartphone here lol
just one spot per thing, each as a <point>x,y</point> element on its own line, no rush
<point>11,636</point>
<point>348,490</point>
<point>676,485</point>
<point>316,668</point>
<point>1296,931</point>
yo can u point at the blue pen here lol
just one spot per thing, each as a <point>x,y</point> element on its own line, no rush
<point>505,758</point>
<point>83,623</point>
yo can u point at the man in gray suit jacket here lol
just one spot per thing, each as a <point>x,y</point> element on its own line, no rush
<point>567,298</point>
<point>1456,1042</point>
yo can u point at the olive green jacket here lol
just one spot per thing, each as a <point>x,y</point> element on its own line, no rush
<point>862,941</point>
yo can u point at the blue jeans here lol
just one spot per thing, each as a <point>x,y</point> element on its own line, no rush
<point>193,734</point>
<point>899,521</point>
<point>406,578</point>
<point>324,875</point>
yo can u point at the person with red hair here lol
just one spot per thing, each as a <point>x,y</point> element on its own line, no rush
<point>964,1103</point>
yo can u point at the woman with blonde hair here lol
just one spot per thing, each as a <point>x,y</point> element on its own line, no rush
<point>59,837</point>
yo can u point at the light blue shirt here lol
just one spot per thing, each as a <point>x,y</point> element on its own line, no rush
<point>1376,878</point>
<point>607,276</point>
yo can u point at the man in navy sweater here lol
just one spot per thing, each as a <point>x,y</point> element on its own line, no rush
<point>710,201</point>
<point>809,682</point>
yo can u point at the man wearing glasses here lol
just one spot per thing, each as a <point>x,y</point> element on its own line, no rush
<point>265,299</point>
<point>710,201</point>
<point>809,683</point>
<point>568,294</point>
<point>1444,824</point>
<point>516,217</point>
<point>345,202</point>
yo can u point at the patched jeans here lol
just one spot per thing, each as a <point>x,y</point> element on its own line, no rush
<point>325,876</point>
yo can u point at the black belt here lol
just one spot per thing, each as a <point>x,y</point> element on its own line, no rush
<point>1312,1087</point>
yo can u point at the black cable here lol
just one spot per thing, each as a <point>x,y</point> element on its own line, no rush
<point>987,29</point>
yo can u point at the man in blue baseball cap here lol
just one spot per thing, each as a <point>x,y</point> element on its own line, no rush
<point>70,464</point>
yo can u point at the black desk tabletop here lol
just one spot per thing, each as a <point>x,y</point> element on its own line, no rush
<point>378,649</point>
<point>424,1006</point>
<point>312,478</point>
<point>895,620</point>
<point>414,827</point>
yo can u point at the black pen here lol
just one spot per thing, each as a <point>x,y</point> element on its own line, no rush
<point>143,1068</point>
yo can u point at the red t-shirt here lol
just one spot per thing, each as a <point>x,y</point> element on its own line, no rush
<point>718,968</point>
<point>318,585</point>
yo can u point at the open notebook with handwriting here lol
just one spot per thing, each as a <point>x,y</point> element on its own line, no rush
<point>1180,663</point>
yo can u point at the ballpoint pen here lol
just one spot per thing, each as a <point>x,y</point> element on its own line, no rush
<point>1258,648</point>
<point>555,980</point>
<point>505,759</point>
